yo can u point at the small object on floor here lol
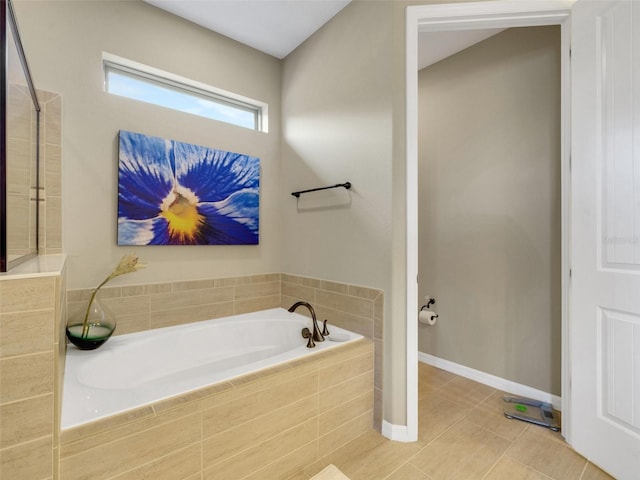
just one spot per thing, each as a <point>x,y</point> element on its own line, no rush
<point>330,472</point>
<point>532,411</point>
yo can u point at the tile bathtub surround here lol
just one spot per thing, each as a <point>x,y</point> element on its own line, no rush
<point>30,316</point>
<point>356,308</point>
<point>270,424</point>
<point>143,307</point>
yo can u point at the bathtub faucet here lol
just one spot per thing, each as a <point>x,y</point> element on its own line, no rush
<point>316,336</point>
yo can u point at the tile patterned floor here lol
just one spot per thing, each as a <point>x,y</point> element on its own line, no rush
<point>463,435</point>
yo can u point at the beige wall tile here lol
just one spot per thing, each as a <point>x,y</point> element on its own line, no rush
<point>344,454</point>
<point>378,364</point>
<point>131,452</point>
<point>309,282</point>
<point>53,229</point>
<point>109,429</point>
<point>26,376</point>
<point>260,456</point>
<point>254,383</point>
<point>190,314</point>
<point>364,292</point>
<point>26,420</point>
<point>121,308</point>
<point>252,290</point>
<point>246,435</point>
<point>220,418</point>
<point>378,406</point>
<point>341,393</point>
<point>193,285</point>
<point>83,295</point>
<point>28,461</point>
<point>348,351</point>
<point>330,376</point>
<point>137,322</point>
<point>28,294</point>
<point>334,287</point>
<point>53,167</point>
<point>378,317</point>
<point>338,416</point>
<point>345,433</point>
<point>154,288</point>
<point>345,303</point>
<point>177,465</point>
<point>18,175</point>
<point>192,400</point>
<point>190,298</point>
<point>53,121</point>
<point>257,304</point>
<point>354,323</point>
<point>26,332</point>
<point>298,292</point>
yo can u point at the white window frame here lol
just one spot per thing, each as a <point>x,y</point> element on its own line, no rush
<point>152,75</point>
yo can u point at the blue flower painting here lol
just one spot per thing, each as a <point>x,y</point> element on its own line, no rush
<point>174,193</point>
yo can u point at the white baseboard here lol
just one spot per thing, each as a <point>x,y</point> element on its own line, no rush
<point>399,433</point>
<point>491,380</point>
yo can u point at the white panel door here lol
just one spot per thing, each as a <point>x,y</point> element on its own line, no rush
<point>605,286</point>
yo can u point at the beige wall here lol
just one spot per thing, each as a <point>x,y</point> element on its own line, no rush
<point>337,126</point>
<point>64,41</point>
<point>489,206</point>
<point>354,117</point>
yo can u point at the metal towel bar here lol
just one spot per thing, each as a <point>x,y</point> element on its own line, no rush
<point>346,185</point>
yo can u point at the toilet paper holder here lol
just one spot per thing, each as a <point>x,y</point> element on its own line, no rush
<point>430,301</point>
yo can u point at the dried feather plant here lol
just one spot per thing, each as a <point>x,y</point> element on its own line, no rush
<point>128,264</point>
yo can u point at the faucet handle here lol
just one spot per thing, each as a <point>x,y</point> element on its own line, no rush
<point>306,333</point>
<point>325,330</point>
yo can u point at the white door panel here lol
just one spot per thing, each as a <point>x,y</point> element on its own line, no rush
<point>605,290</point>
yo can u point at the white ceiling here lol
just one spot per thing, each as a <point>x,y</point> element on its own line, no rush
<point>277,27</point>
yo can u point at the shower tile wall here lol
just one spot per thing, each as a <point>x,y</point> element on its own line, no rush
<point>20,193</point>
<point>30,354</point>
<point>50,172</point>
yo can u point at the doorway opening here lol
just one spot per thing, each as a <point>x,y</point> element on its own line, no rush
<point>489,206</point>
<point>454,17</point>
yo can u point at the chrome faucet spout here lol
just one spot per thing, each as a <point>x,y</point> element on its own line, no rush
<point>316,335</point>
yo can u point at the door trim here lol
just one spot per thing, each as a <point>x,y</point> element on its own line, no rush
<point>469,16</point>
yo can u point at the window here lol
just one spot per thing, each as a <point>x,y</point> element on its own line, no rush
<point>147,84</point>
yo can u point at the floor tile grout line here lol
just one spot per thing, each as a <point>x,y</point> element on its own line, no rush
<point>584,469</point>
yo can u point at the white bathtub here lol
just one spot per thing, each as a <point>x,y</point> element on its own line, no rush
<point>140,368</point>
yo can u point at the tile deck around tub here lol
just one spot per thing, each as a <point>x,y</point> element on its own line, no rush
<point>266,425</point>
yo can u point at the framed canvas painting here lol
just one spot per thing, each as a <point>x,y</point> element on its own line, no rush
<point>175,193</point>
